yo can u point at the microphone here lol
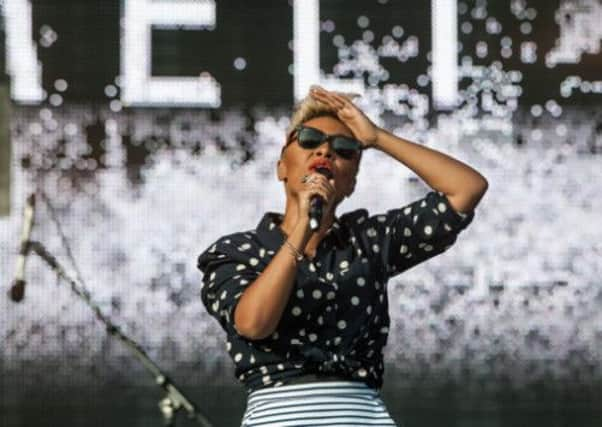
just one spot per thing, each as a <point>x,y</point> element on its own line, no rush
<point>17,290</point>
<point>316,203</point>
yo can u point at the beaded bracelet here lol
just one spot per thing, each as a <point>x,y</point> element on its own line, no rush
<point>298,255</point>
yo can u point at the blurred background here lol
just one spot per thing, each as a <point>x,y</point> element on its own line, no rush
<point>154,127</point>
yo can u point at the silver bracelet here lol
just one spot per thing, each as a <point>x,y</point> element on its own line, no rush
<point>298,255</point>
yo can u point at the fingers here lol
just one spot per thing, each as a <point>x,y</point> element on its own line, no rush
<point>333,99</point>
<point>320,183</point>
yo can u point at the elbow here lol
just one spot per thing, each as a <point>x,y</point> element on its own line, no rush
<point>248,328</point>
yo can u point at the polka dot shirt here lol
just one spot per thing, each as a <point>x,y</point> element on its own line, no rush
<point>336,320</point>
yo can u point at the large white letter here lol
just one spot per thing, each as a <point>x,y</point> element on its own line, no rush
<point>306,45</point>
<point>444,53</point>
<point>138,87</point>
<point>22,59</point>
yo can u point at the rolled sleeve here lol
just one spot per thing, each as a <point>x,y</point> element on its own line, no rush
<point>414,233</point>
<point>226,273</point>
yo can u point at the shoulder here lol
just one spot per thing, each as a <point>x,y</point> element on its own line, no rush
<point>237,246</point>
<point>355,218</point>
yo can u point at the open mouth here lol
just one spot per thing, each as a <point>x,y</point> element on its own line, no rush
<point>324,170</point>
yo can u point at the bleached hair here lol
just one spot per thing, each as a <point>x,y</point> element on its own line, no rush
<point>309,108</point>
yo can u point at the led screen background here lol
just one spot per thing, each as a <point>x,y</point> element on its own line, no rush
<point>505,324</point>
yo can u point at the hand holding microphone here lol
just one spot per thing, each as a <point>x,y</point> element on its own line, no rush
<point>318,196</point>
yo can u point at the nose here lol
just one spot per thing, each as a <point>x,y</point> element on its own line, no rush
<point>325,149</point>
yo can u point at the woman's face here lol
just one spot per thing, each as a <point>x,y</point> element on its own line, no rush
<point>296,160</point>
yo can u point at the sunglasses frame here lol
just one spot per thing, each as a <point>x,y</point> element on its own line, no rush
<point>325,137</point>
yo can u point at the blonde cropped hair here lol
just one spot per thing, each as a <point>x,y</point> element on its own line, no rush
<point>309,108</point>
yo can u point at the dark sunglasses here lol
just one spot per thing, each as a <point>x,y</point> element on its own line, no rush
<point>309,138</point>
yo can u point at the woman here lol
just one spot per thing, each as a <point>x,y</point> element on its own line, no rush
<point>306,311</point>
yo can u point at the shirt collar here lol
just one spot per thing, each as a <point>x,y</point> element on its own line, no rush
<point>271,235</point>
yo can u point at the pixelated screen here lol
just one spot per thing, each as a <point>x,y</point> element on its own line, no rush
<point>154,127</point>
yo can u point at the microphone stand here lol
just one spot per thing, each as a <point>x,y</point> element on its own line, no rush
<point>174,399</point>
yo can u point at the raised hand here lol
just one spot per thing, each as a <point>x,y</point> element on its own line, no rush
<point>364,130</point>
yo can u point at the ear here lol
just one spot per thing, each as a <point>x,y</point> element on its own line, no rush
<point>281,170</point>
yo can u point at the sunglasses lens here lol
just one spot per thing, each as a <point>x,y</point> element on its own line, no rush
<point>345,147</point>
<point>310,138</point>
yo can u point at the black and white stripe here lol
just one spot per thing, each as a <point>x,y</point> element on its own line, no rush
<point>323,403</point>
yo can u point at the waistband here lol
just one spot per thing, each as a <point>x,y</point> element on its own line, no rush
<point>306,384</point>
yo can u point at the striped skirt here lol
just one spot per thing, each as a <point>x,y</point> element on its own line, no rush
<point>322,403</point>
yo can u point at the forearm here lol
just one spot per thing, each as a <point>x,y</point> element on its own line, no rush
<point>440,171</point>
<point>262,303</point>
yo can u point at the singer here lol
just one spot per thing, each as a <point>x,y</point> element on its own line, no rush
<point>305,306</point>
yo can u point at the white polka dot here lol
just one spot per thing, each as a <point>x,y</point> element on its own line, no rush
<point>275,335</point>
<point>428,248</point>
<point>295,341</point>
<point>253,261</point>
<point>341,324</point>
<point>296,311</point>
<point>212,276</point>
<point>280,366</point>
<point>428,230</point>
<point>215,306</point>
<point>369,309</point>
<point>361,219</point>
<point>371,232</point>
<point>423,204</point>
<point>252,359</point>
<point>381,218</point>
<point>238,357</point>
<point>337,340</point>
<point>344,264</point>
<point>312,267</point>
<point>240,267</point>
<point>313,337</point>
<point>407,210</point>
<point>300,293</point>
<point>244,247</point>
<point>264,369</point>
<point>447,227</point>
<point>228,345</point>
<point>441,206</point>
<point>329,275</point>
<point>330,295</point>
<point>376,285</point>
<point>262,252</point>
<point>224,294</point>
<point>317,294</point>
<point>360,281</point>
<point>375,248</point>
<point>403,249</point>
<point>266,379</point>
<point>302,332</point>
<point>320,320</point>
<point>407,232</point>
<point>362,372</point>
<point>355,300</point>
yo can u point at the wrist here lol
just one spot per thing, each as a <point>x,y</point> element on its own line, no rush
<point>380,135</point>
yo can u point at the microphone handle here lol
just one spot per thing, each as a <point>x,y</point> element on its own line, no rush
<point>17,290</point>
<point>315,212</point>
